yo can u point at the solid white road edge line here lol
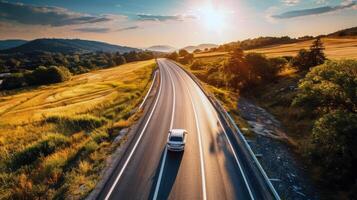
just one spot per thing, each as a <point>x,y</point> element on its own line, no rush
<point>165,150</point>
<point>230,144</point>
<point>136,143</point>
<point>149,91</point>
<point>199,142</point>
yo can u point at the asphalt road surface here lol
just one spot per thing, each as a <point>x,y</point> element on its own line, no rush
<point>214,165</point>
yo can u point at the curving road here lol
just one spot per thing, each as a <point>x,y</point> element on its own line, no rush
<point>214,165</point>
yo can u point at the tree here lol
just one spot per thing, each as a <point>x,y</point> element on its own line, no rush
<point>173,56</point>
<point>317,55</point>
<point>119,59</point>
<point>329,87</point>
<point>237,72</point>
<point>16,80</point>
<point>188,58</point>
<point>261,67</point>
<point>302,60</point>
<point>306,59</point>
<point>329,90</point>
<point>183,53</point>
<point>197,51</point>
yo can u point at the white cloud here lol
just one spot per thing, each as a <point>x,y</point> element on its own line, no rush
<point>291,2</point>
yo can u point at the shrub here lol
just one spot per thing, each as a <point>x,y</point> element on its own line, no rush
<point>330,91</point>
<point>196,65</point>
<point>78,122</point>
<point>306,59</point>
<point>334,142</point>
<point>43,75</point>
<point>16,80</point>
<point>43,147</point>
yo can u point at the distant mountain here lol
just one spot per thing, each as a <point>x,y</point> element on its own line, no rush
<point>7,44</point>
<point>345,32</point>
<point>161,48</point>
<point>67,46</point>
<point>201,47</point>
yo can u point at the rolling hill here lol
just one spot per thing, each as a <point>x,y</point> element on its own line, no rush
<point>201,47</point>
<point>161,48</point>
<point>67,46</point>
<point>345,32</point>
<point>7,44</point>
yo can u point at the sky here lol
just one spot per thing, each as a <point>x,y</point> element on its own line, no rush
<point>143,23</point>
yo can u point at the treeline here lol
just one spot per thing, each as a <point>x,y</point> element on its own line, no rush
<point>41,68</point>
<point>258,43</point>
<point>183,56</point>
<point>40,76</point>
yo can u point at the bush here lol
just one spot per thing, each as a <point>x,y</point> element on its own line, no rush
<point>330,91</point>
<point>16,80</point>
<point>334,147</point>
<point>79,122</point>
<point>43,75</point>
<point>43,147</point>
<point>261,66</point>
<point>306,59</point>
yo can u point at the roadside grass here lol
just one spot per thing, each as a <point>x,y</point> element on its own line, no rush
<point>336,48</point>
<point>54,140</point>
<point>209,54</point>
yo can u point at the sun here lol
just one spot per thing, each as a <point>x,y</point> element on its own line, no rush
<point>212,18</point>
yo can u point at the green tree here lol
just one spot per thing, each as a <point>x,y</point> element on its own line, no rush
<point>317,55</point>
<point>329,90</point>
<point>16,80</point>
<point>302,60</point>
<point>261,67</point>
<point>237,72</point>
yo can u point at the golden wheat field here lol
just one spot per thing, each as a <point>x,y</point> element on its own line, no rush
<point>336,48</point>
<point>54,139</point>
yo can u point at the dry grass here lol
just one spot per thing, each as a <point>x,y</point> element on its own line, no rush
<point>99,99</point>
<point>209,54</point>
<point>336,48</point>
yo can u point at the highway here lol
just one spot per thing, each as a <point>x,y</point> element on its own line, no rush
<point>214,164</point>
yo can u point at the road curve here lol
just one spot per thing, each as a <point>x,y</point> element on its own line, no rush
<point>213,166</point>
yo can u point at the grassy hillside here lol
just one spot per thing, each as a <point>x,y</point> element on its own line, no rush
<point>54,139</point>
<point>67,46</point>
<point>336,48</point>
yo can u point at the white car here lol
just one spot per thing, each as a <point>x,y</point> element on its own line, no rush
<point>176,140</point>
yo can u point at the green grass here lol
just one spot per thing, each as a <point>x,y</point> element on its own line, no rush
<point>54,140</point>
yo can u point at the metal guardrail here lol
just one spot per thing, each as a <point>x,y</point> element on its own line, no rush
<point>221,109</point>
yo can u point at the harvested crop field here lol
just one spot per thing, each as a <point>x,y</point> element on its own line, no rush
<point>64,128</point>
<point>336,48</point>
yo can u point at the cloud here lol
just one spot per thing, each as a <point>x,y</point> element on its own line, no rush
<point>45,15</point>
<point>93,30</point>
<point>313,11</point>
<point>127,28</point>
<point>162,18</point>
<point>291,2</point>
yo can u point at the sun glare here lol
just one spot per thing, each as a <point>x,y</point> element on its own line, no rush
<point>212,18</point>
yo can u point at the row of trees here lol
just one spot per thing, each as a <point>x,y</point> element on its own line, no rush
<point>76,63</point>
<point>25,71</point>
<point>40,76</point>
<point>182,56</point>
<point>246,70</point>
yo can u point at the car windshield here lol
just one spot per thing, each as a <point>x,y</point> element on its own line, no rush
<point>176,139</point>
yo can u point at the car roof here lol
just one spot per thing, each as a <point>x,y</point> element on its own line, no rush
<point>177,132</point>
